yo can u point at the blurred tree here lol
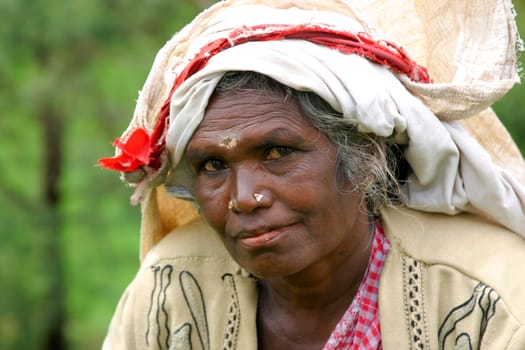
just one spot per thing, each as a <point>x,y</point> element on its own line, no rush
<point>52,57</point>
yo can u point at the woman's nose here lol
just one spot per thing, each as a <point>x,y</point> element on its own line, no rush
<point>249,190</point>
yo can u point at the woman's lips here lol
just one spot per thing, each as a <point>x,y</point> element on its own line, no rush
<point>263,239</point>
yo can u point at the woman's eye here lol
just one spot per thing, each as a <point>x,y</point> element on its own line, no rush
<point>212,165</point>
<point>278,152</point>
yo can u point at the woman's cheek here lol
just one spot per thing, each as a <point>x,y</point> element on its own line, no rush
<point>214,206</point>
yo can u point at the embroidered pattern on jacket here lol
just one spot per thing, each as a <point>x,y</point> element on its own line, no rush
<point>161,282</point>
<point>413,303</point>
<point>482,305</point>
<point>181,338</point>
<point>158,334</point>
<point>231,330</point>
<point>195,301</point>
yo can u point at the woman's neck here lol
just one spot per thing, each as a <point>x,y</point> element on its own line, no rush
<point>301,311</point>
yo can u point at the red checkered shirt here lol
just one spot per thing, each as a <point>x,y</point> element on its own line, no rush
<point>359,326</point>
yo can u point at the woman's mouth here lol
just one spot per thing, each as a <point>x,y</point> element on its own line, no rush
<point>263,239</point>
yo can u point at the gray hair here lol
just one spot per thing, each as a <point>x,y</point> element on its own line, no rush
<point>373,164</point>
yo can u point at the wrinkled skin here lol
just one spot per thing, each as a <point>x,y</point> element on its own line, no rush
<point>307,238</point>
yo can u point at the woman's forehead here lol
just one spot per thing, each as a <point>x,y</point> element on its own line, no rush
<point>250,107</point>
<point>251,115</point>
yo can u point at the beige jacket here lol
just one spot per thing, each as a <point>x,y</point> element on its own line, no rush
<point>448,283</point>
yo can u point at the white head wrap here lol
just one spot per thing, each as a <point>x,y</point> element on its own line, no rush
<point>450,171</point>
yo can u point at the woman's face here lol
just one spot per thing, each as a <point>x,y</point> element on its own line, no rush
<point>293,210</point>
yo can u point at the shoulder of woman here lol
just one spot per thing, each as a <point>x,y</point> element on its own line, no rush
<point>461,240</point>
<point>468,245</point>
<point>194,240</point>
<point>186,284</point>
<point>454,279</point>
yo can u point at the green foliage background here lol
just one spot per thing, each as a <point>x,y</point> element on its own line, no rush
<point>78,65</point>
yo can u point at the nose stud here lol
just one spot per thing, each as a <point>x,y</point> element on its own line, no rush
<point>233,207</point>
<point>258,197</point>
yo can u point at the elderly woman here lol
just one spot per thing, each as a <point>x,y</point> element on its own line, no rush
<point>341,204</point>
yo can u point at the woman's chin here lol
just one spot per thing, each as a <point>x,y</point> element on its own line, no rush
<point>267,266</point>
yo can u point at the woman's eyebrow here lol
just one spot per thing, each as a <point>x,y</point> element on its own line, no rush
<point>200,154</point>
<point>280,135</point>
<point>274,137</point>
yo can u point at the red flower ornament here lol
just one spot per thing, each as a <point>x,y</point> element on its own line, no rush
<point>135,152</point>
